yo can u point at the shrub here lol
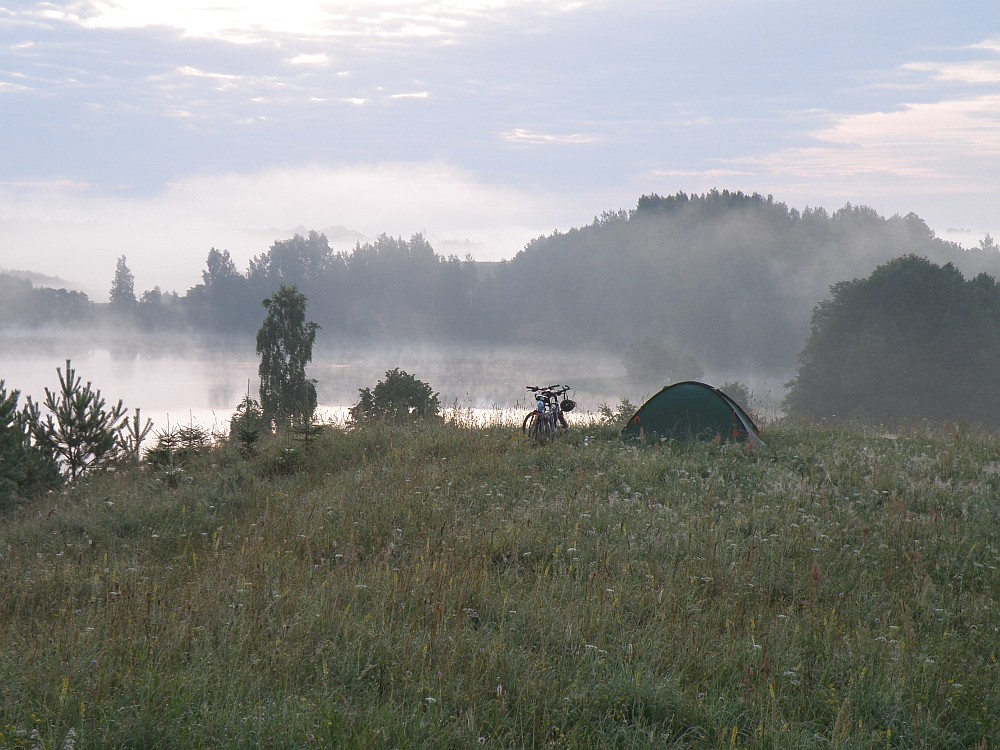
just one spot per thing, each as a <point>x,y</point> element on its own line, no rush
<point>24,465</point>
<point>175,447</point>
<point>616,416</point>
<point>247,424</point>
<point>80,430</point>
<point>400,398</point>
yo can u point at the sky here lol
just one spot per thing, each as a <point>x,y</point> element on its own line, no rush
<point>158,130</point>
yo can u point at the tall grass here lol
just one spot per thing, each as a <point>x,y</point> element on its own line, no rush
<point>450,586</point>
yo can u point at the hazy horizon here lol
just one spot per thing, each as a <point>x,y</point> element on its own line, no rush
<point>160,131</point>
<point>203,378</point>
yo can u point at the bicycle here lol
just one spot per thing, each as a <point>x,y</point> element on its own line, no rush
<point>544,422</point>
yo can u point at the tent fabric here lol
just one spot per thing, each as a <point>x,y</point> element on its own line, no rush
<point>692,410</point>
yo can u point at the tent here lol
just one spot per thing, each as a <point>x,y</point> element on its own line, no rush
<point>693,410</point>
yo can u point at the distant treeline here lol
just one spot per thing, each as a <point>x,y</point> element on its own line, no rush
<point>725,278</point>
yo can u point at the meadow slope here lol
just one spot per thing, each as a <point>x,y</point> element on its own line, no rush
<point>455,587</point>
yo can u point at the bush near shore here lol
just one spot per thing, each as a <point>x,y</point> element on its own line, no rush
<point>449,587</point>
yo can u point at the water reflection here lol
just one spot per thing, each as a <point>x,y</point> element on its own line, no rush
<point>181,380</point>
<point>190,380</point>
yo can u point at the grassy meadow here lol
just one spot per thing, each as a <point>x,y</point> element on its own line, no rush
<point>457,587</point>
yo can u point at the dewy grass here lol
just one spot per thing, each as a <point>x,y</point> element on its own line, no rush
<point>456,586</point>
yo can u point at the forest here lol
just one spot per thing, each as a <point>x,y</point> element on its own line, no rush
<point>724,282</point>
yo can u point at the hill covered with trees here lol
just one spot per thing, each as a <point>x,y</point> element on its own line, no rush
<point>722,282</point>
<point>728,278</point>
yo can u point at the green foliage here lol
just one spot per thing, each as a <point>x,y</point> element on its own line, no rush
<point>398,399</point>
<point>123,286</point>
<point>132,434</point>
<point>912,341</point>
<point>284,343</point>
<point>295,262</point>
<point>80,430</point>
<point>616,416</point>
<point>742,395</point>
<point>24,465</point>
<point>220,270</point>
<point>178,445</point>
<point>247,424</point>
<point>23,306</point>
<point>391,287</point>
<point>225,297</point>
<point>79,433</point>
<point>738,392</point>
<point>725,277</point>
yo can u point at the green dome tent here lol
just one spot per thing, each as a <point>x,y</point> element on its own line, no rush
<point>693,410</point>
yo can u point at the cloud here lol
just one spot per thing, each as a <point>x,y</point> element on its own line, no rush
<point>256,21</point>
<point>6,87</point>
<point>521,135</point>
<point>950,143</point>
<point>980,73</point>
<point>319,59</point>
<point>167,236</point>
<point>993,45</point>
<point>701,173</point>
<point>938,158</point>
<point>226,78</point>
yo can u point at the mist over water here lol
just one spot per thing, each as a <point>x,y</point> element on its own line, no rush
<point>180,380</point>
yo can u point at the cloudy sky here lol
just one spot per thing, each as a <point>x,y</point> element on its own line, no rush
<point>158,130</point>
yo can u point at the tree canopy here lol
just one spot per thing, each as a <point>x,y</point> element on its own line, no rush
<point>284,343</point>
<point>123,286</point>
<point>724,280</point>
<point>914,340</point>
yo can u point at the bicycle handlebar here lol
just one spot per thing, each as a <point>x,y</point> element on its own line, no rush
<point>556,389</point>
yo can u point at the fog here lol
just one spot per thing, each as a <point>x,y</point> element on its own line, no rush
<point>166,235</point>
<point>179,381</point>
<point>718,287</point>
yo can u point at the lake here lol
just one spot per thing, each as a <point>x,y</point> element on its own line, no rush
<point>176,380</point>
<point>181,380</point>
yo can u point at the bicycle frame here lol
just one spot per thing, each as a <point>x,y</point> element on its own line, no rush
<point>544,422</point>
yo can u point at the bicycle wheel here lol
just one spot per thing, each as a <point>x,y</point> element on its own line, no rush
<point>543,429</point>
<point>529,427</point>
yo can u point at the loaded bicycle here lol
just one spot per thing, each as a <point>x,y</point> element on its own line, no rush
<point>547,419</point>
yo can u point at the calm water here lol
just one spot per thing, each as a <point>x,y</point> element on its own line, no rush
<point>177,381</point>
<point>188,380</point>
